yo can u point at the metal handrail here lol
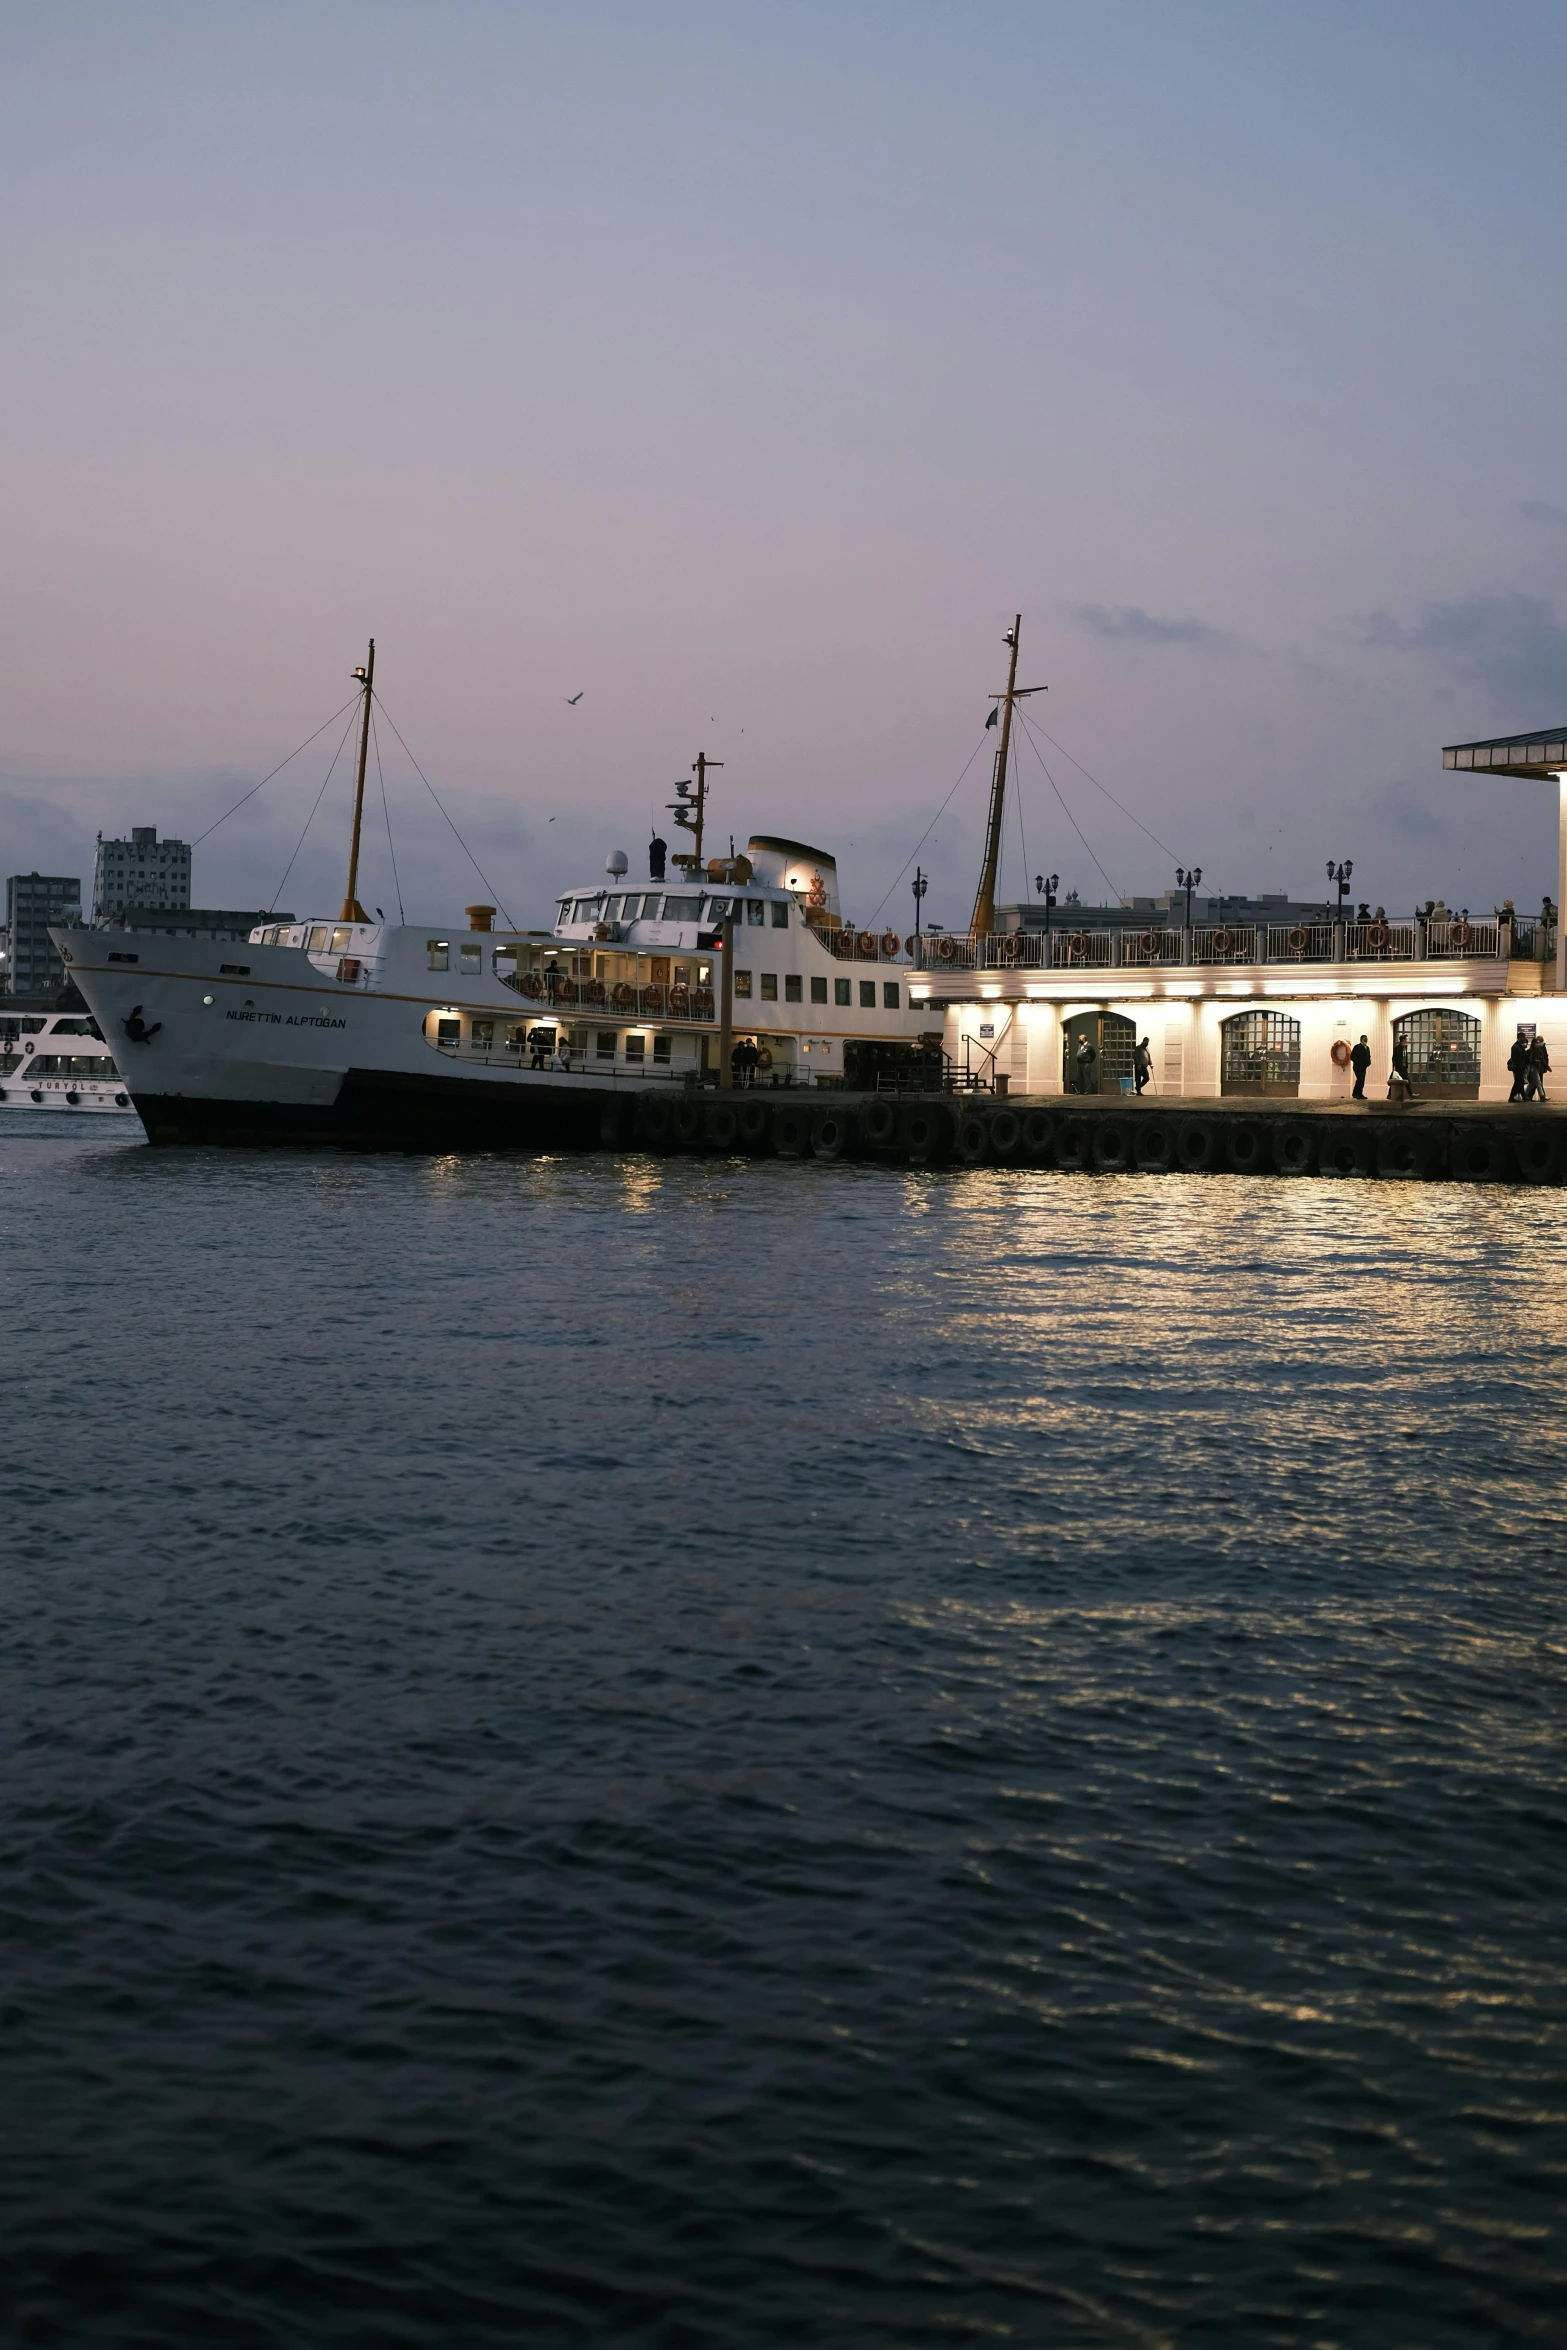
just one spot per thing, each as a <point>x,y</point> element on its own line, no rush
<point>1210,944</point>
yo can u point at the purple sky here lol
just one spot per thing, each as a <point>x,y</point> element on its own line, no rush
<point>746,368</point>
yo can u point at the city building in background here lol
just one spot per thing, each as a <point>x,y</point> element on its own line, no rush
<point>196,921</point>
<point>141,871</point>
<point>33,902</point>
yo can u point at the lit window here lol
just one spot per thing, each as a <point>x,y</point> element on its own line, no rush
<point>439,953</point>
<point>742,983</point>
<point>470,957</point>
<point>343,938</point>
<point>818,991</point>
<point>756,912</point>
<point>636,1050</point>
<point>791,987</point>
<point>889,995</point>
<point>840,993</point>
<point>447,1034</point>
<point>769,987</point>
<point>484,1033</point>
<point>867,995</point>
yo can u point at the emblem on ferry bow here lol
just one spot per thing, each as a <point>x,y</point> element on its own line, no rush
<point>136,1027</point>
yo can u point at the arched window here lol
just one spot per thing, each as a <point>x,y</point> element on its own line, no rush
<point>1442,1048</point>
<point>1109,1039</point>
<point>1261,1053</point>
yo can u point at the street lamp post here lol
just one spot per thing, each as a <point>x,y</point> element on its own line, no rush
<point>1340,874</point>
<point>1047,884</point>
<point>919,885</point>
<point>1188,881</point>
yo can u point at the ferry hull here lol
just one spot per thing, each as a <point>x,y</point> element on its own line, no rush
<point>379,1109</point>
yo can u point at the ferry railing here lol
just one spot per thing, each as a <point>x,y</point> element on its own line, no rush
<point>1530,941</point>
<point>848,945</point>
<point>545,994</point>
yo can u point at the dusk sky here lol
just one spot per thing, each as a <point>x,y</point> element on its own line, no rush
<point>744,369</point>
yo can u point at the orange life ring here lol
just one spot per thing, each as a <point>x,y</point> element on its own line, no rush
<point>1460,933</point>
<point>565,991</point>
<point>1341,1054</point>
<point>621,998</point>
<point>594,992</point>
<point>889,942</point>
<point>1011,947</point>
<point>1077,948</point>
<point>946,946</point>
<point>1378,936</point>
<point>1297,941</point>
<point>1148,945</point>
<point>764,1057</point>
<point>680,999</point>
<point>653,998</point>
<point>531,982</point>
<point>1221,942</point>
<point>866,942</point>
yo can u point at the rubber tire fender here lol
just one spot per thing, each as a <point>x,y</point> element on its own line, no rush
<point>1197,1147</point>
<point>1345,1152</point>
<point>973,1144</point>
<point>1006,1137</point>
<point>653,1127</point>
<point>1074,1146</point>
<point>791,1133</point>
<point>1246,1148</point>
<point>1294,1148</point>
<point>721,1126</point>
<point>1480,1155</point>
<point>1536,1154</point>
<point>879,1125</point>
<point>1113,1147</point>
<point>1039,1138</point>
<point>1409,1154</point>
<point>926,1130</point>
<point>1154,1144</point>
<point>833,1134</point>
<point>754,1120</point>
<point>685,1124</point>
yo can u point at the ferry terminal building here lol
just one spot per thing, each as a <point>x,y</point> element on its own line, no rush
<point>1246,1005</point>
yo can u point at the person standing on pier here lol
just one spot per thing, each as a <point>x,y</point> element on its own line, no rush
<point>1087,1055</point>
<point>1539,1067</point>
<point>1400,1076</point>
<point>1142,1064</point>
<point>1518,1067</point>
<point>1360,1062</point>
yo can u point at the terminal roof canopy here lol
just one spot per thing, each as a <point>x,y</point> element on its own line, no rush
<point>1540,754</point>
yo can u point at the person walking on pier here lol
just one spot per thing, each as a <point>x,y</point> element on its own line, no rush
<point>1360,1062</point>
<point>1518,1067</point>
<point>1400,1076</point>
<point>1539,1068</point>
<point>1142,1064</point>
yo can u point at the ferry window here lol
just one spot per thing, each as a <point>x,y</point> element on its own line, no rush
<point>661,1045</point>
<point>791,987</point>
<point>840,993</point>
<point>484,1033</point>
<point>818,991</point>
<point>342,939</point>
<point>604,1049</point>
<point>867,995</point>
<point>889,995</point>
<point>318,938</point>
<point>589,909</point>
<point>636,1049</point>
<point>780,913</point>
<point>516,1039</point>
<point>448,1033</point>
<point>470,957</point>
<point>565,911</point>
<point>742,983</point>
<point>756,912</point>
<point>649,909</point>
<point>439,954</point>
<point>682,909</point>
<point>769,987</point>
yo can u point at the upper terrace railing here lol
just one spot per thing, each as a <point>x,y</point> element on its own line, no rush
<point>557,991</point>
<point>1217,944</point>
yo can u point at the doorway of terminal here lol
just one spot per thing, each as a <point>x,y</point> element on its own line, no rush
<point>1111,1039</point>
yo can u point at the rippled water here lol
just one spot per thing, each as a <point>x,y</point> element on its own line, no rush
<point>687,1754</point>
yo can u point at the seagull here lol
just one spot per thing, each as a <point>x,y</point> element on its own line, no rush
<point>573,699</point>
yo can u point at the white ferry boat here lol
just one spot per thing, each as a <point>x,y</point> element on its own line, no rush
<point>733,969</point>
<point>59,1061</point>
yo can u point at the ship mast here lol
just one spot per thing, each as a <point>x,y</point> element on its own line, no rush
<point>353,911</point>
<point>983,918</point>
<point>690,810</point>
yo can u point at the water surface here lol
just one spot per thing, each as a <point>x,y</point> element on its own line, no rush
<point>679,1753</point>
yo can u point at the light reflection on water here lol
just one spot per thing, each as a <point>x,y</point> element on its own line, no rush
<point>683,1752</point>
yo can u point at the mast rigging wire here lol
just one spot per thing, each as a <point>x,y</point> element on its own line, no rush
<point>387,813</point>
<point>456,835</point>
<point>277,770</point>
<point>310,819</point>
<point>1066,811</point>
<point>929,829</point>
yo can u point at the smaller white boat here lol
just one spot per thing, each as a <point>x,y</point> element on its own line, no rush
<point>59,1061</point>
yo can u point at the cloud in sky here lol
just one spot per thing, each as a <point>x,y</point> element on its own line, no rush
<point>1515,645</point>
<point>1130,624</point>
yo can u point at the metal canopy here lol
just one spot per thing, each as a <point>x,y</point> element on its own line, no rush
<point>1540,755</point>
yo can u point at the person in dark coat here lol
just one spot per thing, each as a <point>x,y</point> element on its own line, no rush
<point>1518,1067</point>
<point>1360,1062</point>
<point>1087,1055</point>
<point>1142,1064</point>
<point>1539,1067</point>
<point>1400,1075</point>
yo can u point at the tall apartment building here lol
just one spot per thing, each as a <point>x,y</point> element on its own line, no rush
<point>32,902</point>
<point>141,871</point>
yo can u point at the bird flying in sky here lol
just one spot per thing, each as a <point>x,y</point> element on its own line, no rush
<point>573,699</point>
